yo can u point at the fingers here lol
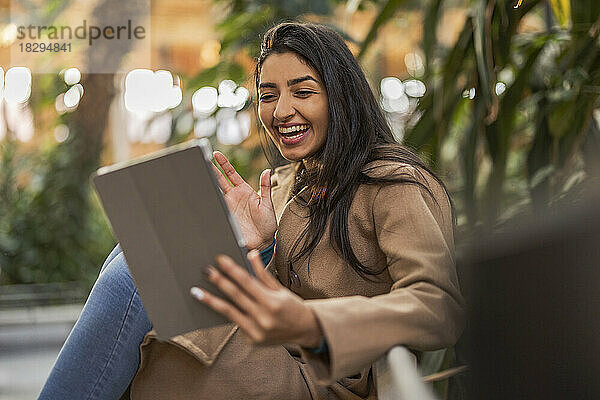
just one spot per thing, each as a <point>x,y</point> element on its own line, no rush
<point>265,186</point>
<point>230,172</point>
<point>223,183</point>
<point>233,291</point>
<point>242,278</point>
<point>259,269</point>
<point>223,307</point>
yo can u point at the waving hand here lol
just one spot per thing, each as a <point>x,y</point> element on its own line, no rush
<point>254,211</point>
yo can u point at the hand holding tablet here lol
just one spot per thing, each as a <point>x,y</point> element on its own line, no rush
<point>172,220</point>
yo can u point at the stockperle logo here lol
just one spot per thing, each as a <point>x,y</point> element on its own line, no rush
<point>93,35</point>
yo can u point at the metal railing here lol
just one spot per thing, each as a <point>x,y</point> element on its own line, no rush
<point>30,295</point>
<point>397,377</point>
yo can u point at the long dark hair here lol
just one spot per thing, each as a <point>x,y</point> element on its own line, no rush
<point>358,133</point>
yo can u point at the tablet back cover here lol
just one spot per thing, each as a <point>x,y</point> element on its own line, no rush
<point>171,220</point>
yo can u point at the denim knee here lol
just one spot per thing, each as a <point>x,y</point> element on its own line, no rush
<point>115,278</point>
<point>115,252</point>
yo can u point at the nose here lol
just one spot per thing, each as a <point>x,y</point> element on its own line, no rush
<point>284,109</point>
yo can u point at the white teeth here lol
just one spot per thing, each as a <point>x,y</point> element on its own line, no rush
<point>294,128</point>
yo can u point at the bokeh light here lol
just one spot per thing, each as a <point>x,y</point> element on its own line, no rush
<point>59,104</point>
<point>392,88</point>
<point>227,86</point>
<point>61,133</point>
<point>8,35</point>
<point>72,97</point>
<point>500,88</point>
<point>204,100</point>
<point>414,64</point>
<point>242,94</point>
<point>72,76</point>
<point>184,124</point>
<point>159,129</point>
<point>507,75</point>
<point>414,88</point>
<point>227,96</point>
<point>209,53</point>
<point>205,127</point>
<point>146,90</point>
<point>399,105</point>
<point>17,85</point>
<point>469,94</point>
<point>19,120</point>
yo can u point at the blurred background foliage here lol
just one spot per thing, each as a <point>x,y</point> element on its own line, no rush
<point>517,109</point>
<point>51,228</point>
<point>509,119</point>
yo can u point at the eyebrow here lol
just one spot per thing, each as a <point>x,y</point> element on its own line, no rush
<point>291,82</point>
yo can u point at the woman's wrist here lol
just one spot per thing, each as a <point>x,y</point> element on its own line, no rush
<point>313,336</point>
<point>267,254</point>
<point>265,245</point>
<point>322,349</point>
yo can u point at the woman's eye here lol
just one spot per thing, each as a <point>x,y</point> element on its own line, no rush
<point>266,97</point>
<point>304,93</point>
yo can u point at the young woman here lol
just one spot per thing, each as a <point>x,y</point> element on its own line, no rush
<point>359,233</point>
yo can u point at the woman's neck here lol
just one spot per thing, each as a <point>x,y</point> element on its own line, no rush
<point>309,163</point>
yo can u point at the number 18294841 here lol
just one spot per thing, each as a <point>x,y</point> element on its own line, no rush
<point>45,47</point>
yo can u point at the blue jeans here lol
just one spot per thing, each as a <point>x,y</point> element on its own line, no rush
<point>101,355</point>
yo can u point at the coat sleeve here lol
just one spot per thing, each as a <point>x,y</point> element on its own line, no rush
<point>423,310</point>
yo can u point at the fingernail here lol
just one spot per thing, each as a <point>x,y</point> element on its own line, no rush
<point>197,293</point>
<point>208,271</point>
<point>253,253</point>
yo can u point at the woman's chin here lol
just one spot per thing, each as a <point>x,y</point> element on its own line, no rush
<point>292,157</point>
<point>293,154</point>
<point>297,154</point>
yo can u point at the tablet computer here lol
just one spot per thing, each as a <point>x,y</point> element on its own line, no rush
<point>169,215</point>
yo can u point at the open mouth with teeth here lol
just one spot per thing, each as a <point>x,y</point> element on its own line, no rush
<point>293,134</point>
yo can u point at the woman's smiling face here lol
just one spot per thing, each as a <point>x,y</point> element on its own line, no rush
<point>293,106</point>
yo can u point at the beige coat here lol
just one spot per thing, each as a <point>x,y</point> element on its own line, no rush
<point>415,302</point>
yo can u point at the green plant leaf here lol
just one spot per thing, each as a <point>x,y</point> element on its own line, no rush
<point>430,23</point>
<point>541,175</point>
<point>424,129</point>
<point>584,13</point>
<point>483,51</point>
<point>499,133</point>
<point>386,13</point>
<point>562,11</point>
<point>225,69</point>
<point>505,22</point>
<point>469,161</point>
<point>244,28</point>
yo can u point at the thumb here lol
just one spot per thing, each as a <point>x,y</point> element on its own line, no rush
<point>265,186</point>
